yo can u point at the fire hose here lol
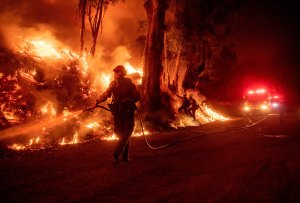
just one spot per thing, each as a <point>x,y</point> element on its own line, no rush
<point>197,136</point>
<point>91,109</point>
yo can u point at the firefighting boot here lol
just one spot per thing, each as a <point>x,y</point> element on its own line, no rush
<point>116,157</point>
<point>125,152</point>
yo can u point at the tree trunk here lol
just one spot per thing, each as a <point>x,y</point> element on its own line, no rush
<point>165,57</point>
<point>177,71</point>
<point>96,24</point>
<point>196,64</point>
<point>82,8</point>
<point>153,54</point>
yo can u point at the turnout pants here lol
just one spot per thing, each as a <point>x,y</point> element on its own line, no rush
<point>123,128</point>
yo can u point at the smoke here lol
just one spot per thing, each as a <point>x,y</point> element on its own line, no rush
<point>57,19</point>
<point>40,61</point>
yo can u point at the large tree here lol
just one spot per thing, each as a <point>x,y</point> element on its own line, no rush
<point>205,26</point>
<point>153,54</point>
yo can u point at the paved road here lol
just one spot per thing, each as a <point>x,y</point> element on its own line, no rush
<point>256,164</point>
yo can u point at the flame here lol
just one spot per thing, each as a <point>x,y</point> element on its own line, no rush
<point>17,147</point>
<point>48,109</point>
<point>66,114</point>
<point>139,134</point>
<point>63,141</point>
<point>203,114</point>
<point>213,114</point>
<point>130,69</point>
<point>73,141</point>
<point>37,140</point>
<point>42,49</point>
<point>11,117</point>
<point>28,75</point>
<point>46,49</point>
<point>106,80</point>
<point>93,125</point>
<point>110,138</point>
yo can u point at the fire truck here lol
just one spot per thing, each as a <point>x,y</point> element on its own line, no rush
<point>262,101</point>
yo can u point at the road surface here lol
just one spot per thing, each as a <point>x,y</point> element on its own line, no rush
<point>260,163</point>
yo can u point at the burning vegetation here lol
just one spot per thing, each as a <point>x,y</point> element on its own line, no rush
<point>45,85</point>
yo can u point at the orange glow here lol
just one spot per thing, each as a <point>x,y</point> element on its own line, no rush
<point>106,80</point>
<point>130,69</point>
<point>73,141</point>
<point>93,125</point>
<point>63,141</point>
<point>17,147</point>
<point>48,109</point>
<point>28,75</point>
<point>246,108</point>
<point>110,138</point>
<point>213,114</point>
<point>11,117</point>
<point>43,49</point>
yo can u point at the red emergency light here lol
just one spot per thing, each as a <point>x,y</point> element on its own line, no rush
<point>258,91</point>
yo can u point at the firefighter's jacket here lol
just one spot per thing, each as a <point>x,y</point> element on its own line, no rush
<point>124,94</point>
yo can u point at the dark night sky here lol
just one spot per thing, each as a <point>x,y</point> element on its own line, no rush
<point>268,45</point>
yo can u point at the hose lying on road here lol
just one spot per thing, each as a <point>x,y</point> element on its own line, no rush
<point>197,136</point>
<point>186,139</point>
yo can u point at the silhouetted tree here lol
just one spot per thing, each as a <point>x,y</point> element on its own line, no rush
<point>94,10</point>
<point>153,54</point>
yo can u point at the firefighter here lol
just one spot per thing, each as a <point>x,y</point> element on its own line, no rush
<point>193,107</point>
<point>124,96</point>
<point>184,105</point>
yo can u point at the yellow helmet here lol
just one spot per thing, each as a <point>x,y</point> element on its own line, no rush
<point>120,69</point>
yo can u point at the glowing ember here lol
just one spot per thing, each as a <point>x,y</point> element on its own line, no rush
<point>109,138</point>
<point>63,141</point>
<point>92,125</point>
<point>73,141</point>
<point>11,117</point>
<point>28,75</point>
<point>37,140</point>
<point>213,114</point>
<point>48,109</point>
<point>66,114</point>
<point>139,134</point>
<point>84,63</point>
<point>17,147</point>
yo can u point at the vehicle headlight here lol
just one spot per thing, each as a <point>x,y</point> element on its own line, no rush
<point>264,107</point>
<point>246,108</point>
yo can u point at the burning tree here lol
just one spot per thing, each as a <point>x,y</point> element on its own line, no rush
<point>44,80</point>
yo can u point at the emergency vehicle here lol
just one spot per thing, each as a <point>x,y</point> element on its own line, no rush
<point>256,101</point>
<point>262,101</point>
